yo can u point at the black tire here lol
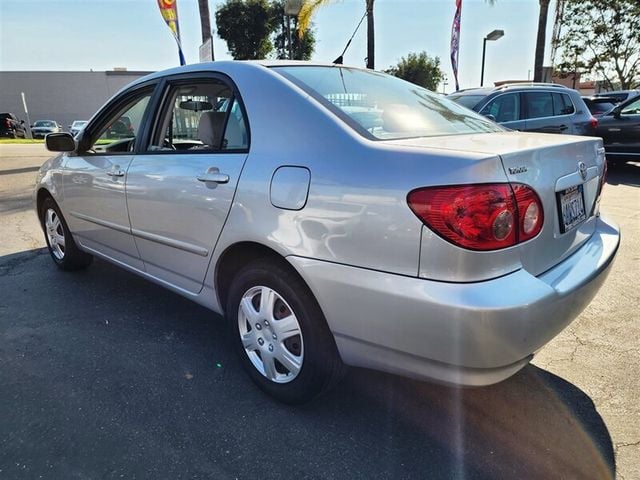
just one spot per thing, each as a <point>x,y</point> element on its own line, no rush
<point>321,364</point>
<point>70,257</point>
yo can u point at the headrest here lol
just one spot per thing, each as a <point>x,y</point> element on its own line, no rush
<point>210,128</point>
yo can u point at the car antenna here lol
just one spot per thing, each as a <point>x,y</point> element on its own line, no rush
<point>340,59</point>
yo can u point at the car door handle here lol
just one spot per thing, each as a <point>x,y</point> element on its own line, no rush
<point>116,172</point>
<point>215,177</point>
<point>562,128</point>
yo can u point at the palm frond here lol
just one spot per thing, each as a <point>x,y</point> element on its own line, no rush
<point>307,11</point>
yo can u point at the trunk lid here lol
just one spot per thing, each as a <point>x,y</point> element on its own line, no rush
<point>564,171</point>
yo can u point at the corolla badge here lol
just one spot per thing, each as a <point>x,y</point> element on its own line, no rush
<point>518,169</point>
<point>582,168</point>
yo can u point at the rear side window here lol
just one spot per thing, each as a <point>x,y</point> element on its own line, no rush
<point>562,104</point>
<point>539,104</point>
<point>505,108</point>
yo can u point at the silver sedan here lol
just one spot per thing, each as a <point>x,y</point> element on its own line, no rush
<point>335,216</point>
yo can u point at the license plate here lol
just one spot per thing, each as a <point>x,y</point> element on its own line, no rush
<point>571,208</point>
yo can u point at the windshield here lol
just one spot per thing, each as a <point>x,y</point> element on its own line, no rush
<point>383,107</point>
<point>44,123</point>
<point>468,101</point>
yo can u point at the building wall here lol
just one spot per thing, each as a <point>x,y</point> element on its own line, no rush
<point>60,96</point>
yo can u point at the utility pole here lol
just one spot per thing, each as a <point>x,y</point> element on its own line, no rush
<point>371,44</point>
<point>206,49</point>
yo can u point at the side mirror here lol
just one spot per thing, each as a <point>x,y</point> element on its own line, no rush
<point>60,142</point>
<point>616,111</point>
<point>490,117</point>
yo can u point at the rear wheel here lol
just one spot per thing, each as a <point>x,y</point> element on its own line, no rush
<point>280,333</point>
<point>62,248</point>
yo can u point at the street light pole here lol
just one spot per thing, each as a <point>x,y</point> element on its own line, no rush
<point>484,52</point>
<point>494,35</point>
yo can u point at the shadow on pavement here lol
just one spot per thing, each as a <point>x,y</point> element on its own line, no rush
<point>106,375</point>
<point>624,173</point>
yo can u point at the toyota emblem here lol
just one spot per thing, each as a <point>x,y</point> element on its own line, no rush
<point>582,168</point>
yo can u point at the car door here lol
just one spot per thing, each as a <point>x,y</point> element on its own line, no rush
<point>94,180</point>
<point>505,109</point>
<point>180,189</point>
<point>541,116</point>
<point>620,130</point>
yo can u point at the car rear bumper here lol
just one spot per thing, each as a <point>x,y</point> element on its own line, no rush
<point>462,333</point>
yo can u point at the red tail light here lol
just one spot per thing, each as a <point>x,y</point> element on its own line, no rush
<point>480,217</point>
<point>7,123</point>
<point>593,122</point>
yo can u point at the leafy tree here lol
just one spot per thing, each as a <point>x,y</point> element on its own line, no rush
<point>419,68</point>
<point>602,37</point>
<point>303,44</point>
<point>246,26</point>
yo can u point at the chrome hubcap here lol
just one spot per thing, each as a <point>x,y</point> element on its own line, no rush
<point>55,233</point>
<point>270,334</point>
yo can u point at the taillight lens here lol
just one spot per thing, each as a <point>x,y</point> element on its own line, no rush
<point>7,123</point>
<point>480,217</point>
<point>593,122</point>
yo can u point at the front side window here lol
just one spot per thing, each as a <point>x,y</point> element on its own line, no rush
<point>383,107</point>
<point>119,132</point>
<point>632,109</point>
<point>201,117</point>
<point>505,108</point>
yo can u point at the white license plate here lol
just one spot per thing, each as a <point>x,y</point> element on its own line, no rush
<point>571,208</point>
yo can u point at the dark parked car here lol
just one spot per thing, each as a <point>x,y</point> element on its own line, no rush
<point>620,95</point>
<point>599,105</point>
<point>545,108</point>
<point>11,127</point>
<point>620,131</point>
<point>42,128</point>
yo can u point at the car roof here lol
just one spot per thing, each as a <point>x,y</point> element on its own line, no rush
<point>515,86</point>
<point>222,65</point>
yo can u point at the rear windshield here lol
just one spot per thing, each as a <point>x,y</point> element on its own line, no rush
<point>600,107</point>
<point>468,101</point>
<point>383,107</point>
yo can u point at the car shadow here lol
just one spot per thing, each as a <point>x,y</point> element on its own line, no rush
<point>106,375</point>
<point>624,174</point>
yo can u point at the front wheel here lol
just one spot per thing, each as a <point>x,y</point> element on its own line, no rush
<point>63,250</point>
<point>280,333</point>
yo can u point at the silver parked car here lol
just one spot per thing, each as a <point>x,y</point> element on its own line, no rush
<point>336,216</point>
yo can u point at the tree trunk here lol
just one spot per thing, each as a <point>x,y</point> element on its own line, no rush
<point>205,22</point>
<point>370,36</point>
<point>542,37</point>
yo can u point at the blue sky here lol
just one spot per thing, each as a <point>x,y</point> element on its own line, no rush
<point>101,35</point>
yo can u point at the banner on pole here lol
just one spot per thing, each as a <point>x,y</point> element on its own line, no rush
<point>169,11</point>
<point>455,41</point>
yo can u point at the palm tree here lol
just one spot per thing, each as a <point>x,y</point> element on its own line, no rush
<point>540,41</point>
<point>311,6</point>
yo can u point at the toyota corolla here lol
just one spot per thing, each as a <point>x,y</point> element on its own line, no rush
<point>336,216</point>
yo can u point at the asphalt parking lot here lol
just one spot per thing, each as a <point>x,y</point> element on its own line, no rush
<point>104,375</point>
